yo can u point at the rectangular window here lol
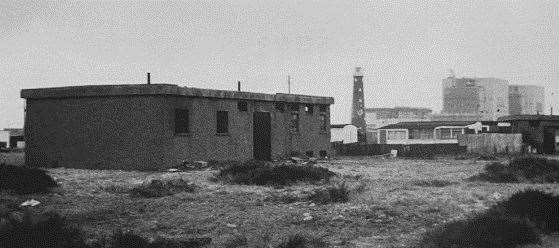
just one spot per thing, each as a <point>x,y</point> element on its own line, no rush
<point>414,134</point>
<point>323,123</point>
<point>222,122</point>
<point>456,132</point>
<point>309,109</point>
<point>323,108</point>
<point>242,105</point>
<point>181,120</point>
<point>294,123</point>
<point>444,133</point>
<point>396,135</point>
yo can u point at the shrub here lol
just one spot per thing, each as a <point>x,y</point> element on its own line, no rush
<point>23,180</point>
<point>433,183</point>
<point>45,231</point>
<point>159,188</point>
<point>130,240</point>
<point>234,241</point>
<point>262,173</point>
<point>302,241</point>
<point>484,231</point>
<point>338,193</point>
<point>523,169</point>
<point>540,208</point>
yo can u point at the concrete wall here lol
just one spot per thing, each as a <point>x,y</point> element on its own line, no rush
<point>491,142</point>
<point>137,132</point>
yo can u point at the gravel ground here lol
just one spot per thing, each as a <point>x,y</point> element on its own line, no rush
<point>393,202</point>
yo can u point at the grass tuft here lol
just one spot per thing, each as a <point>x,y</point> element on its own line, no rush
<point>523,169</point>
<point>23,180</point>
<point>302,241</point>
<point>331,194</point>
<point>262,173</point>
<point>160,188</point>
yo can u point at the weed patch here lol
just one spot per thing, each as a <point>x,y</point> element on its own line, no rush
<point>302,241</point>
<point>23,180</point>
<point>159,188</point>
<point>523,169</point>
<point>540,208</point>
<point>262,173</point>
<point>433,183</point>
<point>512,222</point>
<point>337,193</point>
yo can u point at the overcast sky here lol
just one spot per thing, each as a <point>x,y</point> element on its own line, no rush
<point>404,48</point>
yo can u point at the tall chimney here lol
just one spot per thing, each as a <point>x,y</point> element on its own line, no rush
<point>149,78</point>
<point>358,106</point>
<point>238,85</point>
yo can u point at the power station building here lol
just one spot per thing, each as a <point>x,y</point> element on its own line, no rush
<point>158,126</point>
<point>526,100</point>
<point>467,99</point>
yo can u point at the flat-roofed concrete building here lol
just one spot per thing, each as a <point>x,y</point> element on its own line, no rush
<point>158,126</point>
<point>526,100</point>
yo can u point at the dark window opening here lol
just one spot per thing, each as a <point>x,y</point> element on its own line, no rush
<point>222,122</point>
<point>309,154</point>
<point>293,107</point>
<point>309,108</point>
<point>294,124</point>
<point>181,121</point>
<point>534,123</point>
<point>280,106</point>
<point>323,108</point>
<point>242,105</point>
<point>323,153</point>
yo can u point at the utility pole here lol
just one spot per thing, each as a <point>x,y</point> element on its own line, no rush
<point>288,84</point>
<point>551,104</point>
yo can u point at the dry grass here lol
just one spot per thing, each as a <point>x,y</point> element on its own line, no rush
<point>388,210</point>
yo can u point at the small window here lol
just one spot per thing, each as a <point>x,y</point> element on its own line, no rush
<point>280,106</point>
<point>309,109</point>
<point>242,105</point>
<point>309,154</point>
<point>294,123</point>
<point>323,153</point>
<point>323,108</point>
<point>222,122</point>
<point>324,123</point>
<point>293,107</point>
<point>181,120</point>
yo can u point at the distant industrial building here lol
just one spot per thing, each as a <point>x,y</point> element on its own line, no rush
<point>526,100</point>
<point>158,126</point>
<point>474,99</point>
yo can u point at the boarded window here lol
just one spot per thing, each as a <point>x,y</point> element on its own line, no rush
<point>222,122</point>
<point>324,123</point>
<point>309,109</point>
<point>294,123</point>
<point>293,107</point>
<point>280,106</point>
<point>242,105</point>
<point>181,121</point>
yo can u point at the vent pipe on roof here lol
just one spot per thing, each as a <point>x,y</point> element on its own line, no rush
<point>149,78</point>
<point>238,85</point>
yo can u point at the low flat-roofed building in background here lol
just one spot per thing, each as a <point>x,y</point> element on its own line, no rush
<point>540,132</point>
<point>344,133</point>
<point>158,126</point>
<point>431,132</point>
<point>379,117</point>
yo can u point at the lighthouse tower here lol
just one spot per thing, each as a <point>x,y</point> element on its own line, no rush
<point>358,106</point>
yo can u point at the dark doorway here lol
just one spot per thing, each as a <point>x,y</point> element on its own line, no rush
<point>549,141</point>
<point>262,139</point>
